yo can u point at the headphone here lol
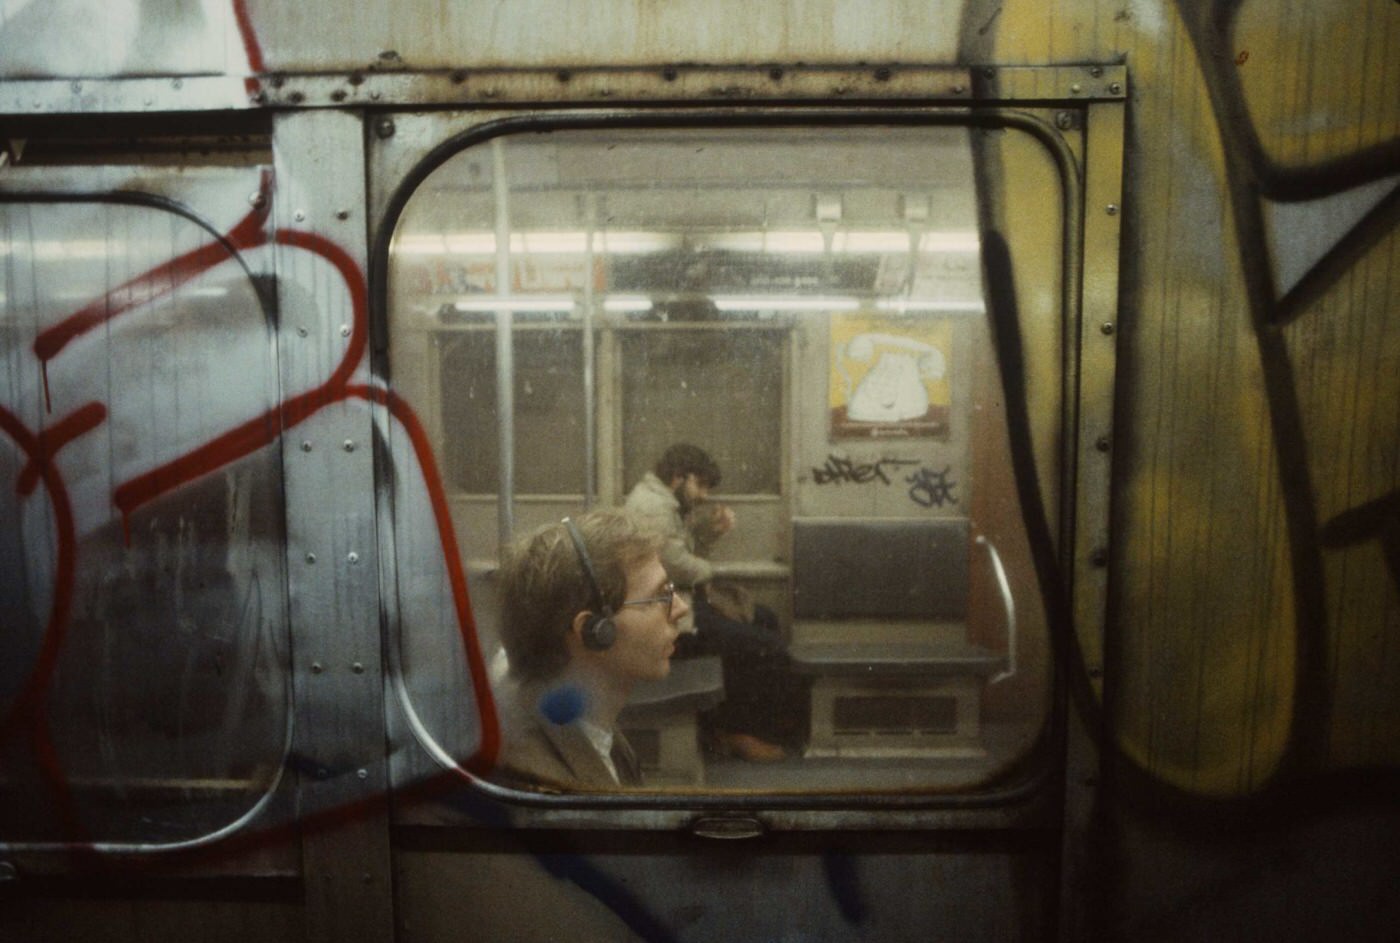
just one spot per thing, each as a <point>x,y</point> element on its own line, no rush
<point>599,630</point>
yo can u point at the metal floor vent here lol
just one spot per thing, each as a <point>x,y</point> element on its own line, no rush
<point>885,715</point>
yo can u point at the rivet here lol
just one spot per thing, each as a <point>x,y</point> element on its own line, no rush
<point>374,94</point>
<point>345,330</point>
<point>775,74</point>
<point>257,200</point>
<point>353,557</point>
<point>1111,209</point>
<point>76,87</point>
<point>1074,89</point>
<point>1064,120</point>
<point>384,127</point>
<point>311,558</point>
<point>1096,71</point>
<point>176,84</point>
<point>1106,327</point>
<point>362,773</point>
<point>316,667</point>
<point>306,445</point>
<point>299,215</point>
<point>348,445</point>
<point>959,89</point>
<point>342,214</point>
<point>1115,88</point>
<point>339,95</point>
<point>358,668</point>
<point>301,332</point>
<point>1102,443</point>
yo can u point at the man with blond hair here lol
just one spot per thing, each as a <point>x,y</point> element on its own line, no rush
<point>587,611</point>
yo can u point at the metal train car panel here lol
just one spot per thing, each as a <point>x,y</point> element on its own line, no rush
<point>1048,355</point>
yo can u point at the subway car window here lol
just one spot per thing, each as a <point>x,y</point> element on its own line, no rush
<point>144,670</point>
<point>754,369</point>
<point>548,410</point>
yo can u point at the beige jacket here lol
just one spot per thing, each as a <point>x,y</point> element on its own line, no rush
<point>536,752</point>
<point>655,505</point>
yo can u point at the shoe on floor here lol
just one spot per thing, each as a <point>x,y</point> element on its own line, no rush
<point>747,746</point>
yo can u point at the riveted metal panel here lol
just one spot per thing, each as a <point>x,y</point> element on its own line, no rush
<point>603,86</point>
<point>331,545</point>
<point>136,294</point>
<point>1097,332</point>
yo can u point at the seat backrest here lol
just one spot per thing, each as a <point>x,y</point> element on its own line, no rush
<point>879,568</point>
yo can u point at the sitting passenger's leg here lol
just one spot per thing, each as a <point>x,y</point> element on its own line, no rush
<point>761,717</point>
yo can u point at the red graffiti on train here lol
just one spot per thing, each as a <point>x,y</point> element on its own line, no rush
<point>27,717</point>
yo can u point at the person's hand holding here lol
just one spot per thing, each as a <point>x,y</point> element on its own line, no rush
<point>709,522</point>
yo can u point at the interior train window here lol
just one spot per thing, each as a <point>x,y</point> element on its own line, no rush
<point>805,311</point>
<point>548,408</point>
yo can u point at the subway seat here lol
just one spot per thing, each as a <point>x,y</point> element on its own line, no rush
<point>880,625</point>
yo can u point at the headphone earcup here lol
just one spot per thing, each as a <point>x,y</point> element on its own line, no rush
<point>599,632</point>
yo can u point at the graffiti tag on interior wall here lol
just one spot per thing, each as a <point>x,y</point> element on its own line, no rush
<point>927,488</point>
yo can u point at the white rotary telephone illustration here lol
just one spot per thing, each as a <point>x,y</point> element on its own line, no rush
<point>893,390</point>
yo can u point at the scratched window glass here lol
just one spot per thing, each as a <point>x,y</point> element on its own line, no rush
<point>142,666</point>
<point>805,312</point>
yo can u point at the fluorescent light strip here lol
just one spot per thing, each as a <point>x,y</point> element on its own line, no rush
<point>535,243</point>
<point>914,304</point>
<point>809,242</point>
<point>786,303</point>
<point>627,303</point>
<point>777,242</point>
<point>539,303</point>
<point>515,303</point>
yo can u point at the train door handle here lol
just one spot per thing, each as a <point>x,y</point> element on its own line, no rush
<point>727,827</point>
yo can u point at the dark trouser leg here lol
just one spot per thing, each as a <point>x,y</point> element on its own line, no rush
<point>762,696</point>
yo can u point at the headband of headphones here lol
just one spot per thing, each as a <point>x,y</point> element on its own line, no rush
<point>587,563</point>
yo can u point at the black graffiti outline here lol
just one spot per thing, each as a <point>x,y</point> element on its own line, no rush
<point>840,470</point>
<point>929,488</point>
